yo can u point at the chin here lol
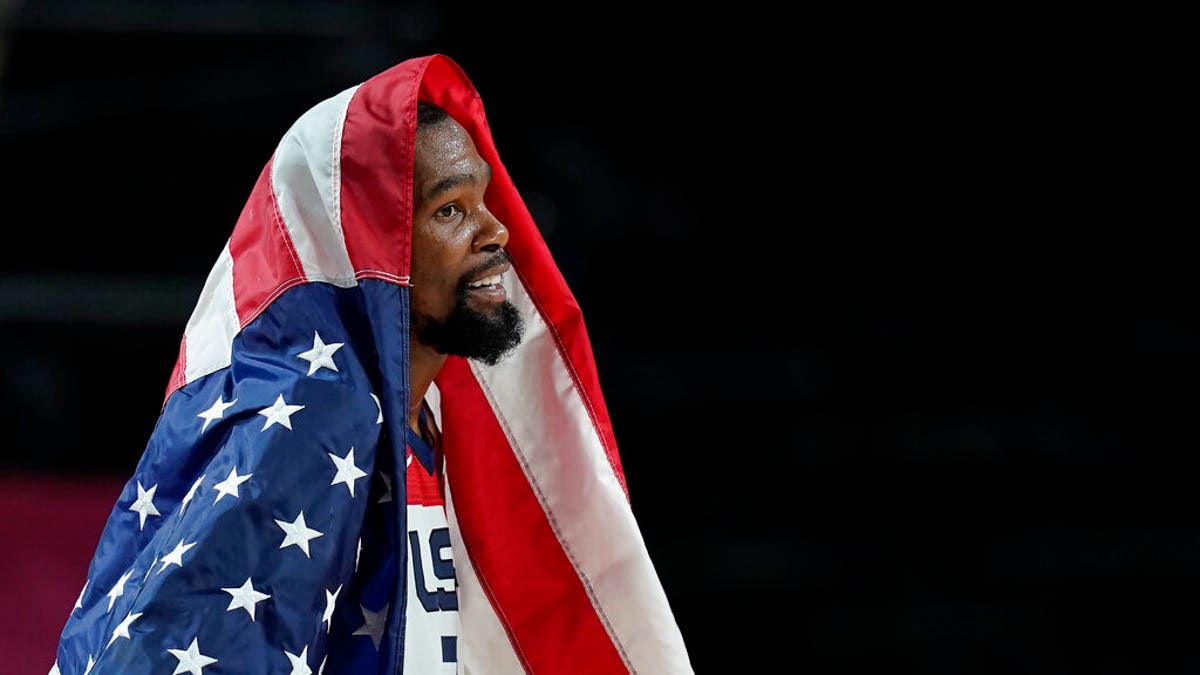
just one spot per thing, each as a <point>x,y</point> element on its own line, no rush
<point>472,334</point>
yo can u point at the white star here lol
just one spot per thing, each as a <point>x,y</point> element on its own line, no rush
<point>91,664</point>
<point>346,471</point>
<point>298,533</point>
<point>191,493</point>
<point>330,601</point>
<point>387,488</point>
<point>357,553</point>
<point>79,600</point>
<point>191,660</point>
<point>279,413</point>
<point>54,668</point>
<point>216,412</point>
<point>149,570</point>
<point>321,354</point>
<point>245,597</point>
<point>175,557</point>
<point>321,670</point>
<point>118,589</point>
<point>122,629</point>
<point>299,663</point>
<point>229,486</point>
<point>144,504</point>
<point>378,420</point>
<point>373,624</point>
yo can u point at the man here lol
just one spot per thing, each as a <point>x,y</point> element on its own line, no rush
<point>384,296</point>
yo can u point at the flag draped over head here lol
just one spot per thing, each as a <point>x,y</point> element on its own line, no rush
<point>272,524</point>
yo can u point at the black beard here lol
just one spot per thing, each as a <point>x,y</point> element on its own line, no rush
<point>471,334</point>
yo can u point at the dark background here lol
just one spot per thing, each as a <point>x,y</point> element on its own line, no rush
<point>894,324</point>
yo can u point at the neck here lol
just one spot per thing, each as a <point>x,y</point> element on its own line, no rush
<point>423,365</point>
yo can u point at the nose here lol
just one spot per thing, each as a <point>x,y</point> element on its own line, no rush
<point>492,235</point>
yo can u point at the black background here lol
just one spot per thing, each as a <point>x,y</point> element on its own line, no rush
<point>894,325</point>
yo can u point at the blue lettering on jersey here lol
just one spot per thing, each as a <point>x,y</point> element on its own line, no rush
<point>438,599</point>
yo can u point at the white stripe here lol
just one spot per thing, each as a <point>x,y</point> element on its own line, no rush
<point>213,324</point>
<point>306,180</point>
<point>555,440</point>
<point>483,646</point>
<point>433,398</point>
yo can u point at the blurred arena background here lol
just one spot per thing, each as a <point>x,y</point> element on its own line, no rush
<point>894,325</point>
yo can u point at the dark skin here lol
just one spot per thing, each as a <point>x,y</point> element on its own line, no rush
<point>453,238</point>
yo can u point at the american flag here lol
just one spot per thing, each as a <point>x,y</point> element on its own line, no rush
<point>269,527</point>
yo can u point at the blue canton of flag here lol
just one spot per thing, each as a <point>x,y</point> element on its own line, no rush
<point>259,531</point>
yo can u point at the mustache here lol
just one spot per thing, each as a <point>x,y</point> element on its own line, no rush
<point>495,260</point>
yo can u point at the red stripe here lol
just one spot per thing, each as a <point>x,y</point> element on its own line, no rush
<point>377,158</point>
<point>537,594</point>
<point>264,260</point>
<point>376,167</point>
<point>179,373</point>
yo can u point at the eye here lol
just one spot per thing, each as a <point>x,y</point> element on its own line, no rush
<point>448,213</point>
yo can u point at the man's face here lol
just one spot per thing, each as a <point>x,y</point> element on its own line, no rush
<point>459,305</point>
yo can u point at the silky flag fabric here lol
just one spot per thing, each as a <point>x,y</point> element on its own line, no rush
<point>269,525</point>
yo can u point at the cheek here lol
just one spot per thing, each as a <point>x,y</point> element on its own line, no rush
<point>424,264</point>
<point>429,271</point>
<point>433,249</point>
<point>439,257</point>
<point>434,284</point>
<point>419,300</point>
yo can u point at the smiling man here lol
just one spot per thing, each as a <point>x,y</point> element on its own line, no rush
<point>384,447</point>
<point>459,304</point>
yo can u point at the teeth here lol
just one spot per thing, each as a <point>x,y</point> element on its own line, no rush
<point>494,279</point>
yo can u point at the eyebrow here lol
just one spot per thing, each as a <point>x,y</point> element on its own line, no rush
<point>450,182</point>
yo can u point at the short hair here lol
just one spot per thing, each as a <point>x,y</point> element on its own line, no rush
<point>429,114</point>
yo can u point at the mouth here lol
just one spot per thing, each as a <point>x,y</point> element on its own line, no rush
<point>490,286</point>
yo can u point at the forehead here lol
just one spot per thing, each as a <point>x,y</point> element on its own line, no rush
<point>444,151</point>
